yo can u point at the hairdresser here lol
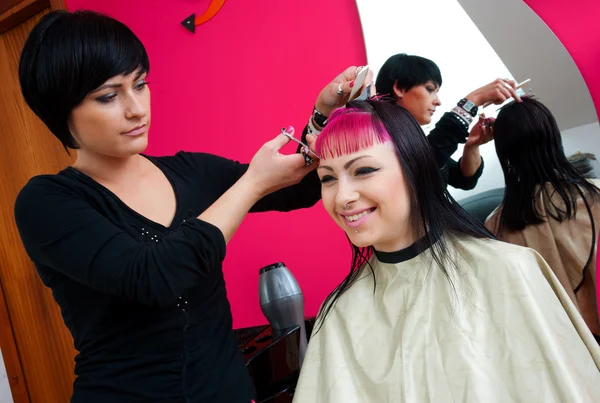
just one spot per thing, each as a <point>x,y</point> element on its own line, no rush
<point>132,245</point>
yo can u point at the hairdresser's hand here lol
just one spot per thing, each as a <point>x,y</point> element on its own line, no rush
<point>310,140</point>
<point>481,133</point>
<point>270,170</point>
<point>495,92</point>
<point>329,99</point>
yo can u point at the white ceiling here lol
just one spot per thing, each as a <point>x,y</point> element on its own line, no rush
<point>530,49</point>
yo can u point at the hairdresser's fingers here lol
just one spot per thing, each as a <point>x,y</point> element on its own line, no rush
<point>511,83</point>
<point>480,133</point>
<point>488,135</point>
<point>310,140</point>
<point>513,93</point>
<point>281,140</point>
<point>287,164</point>
<point>308,167</point>
<point>335,93</point>
<point>502,94</point>
<point>342,81</point>
<point>489,129</point>
<point>307,155</point>
<point>344,89</point>
<point>349,74</point>
<point>349,77</point>
<point>509,89</point>
<point>485,134</point>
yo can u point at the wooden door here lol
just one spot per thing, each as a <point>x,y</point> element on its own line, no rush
<point>37,348</point>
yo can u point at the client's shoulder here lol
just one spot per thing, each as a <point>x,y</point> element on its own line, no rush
<point>491,222</point>
<point>492,253</point>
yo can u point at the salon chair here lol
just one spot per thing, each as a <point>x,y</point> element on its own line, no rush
<point>482,204</point>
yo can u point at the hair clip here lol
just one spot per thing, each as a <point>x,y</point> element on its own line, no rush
<point>530,95</point>
<point>305,150</point>
<point>382,97</point>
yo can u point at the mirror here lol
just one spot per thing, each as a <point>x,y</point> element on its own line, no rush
<point>475,41</point>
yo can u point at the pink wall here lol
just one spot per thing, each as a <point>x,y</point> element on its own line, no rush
<point>258,66</point>
<point>255,67</point>
<point>575,23</point>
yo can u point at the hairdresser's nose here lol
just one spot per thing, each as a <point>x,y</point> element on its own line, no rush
<point>136,106</point>
<point>437,101</point>
<point>347,193</point>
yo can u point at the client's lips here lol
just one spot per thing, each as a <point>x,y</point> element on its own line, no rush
<point>356,218</point>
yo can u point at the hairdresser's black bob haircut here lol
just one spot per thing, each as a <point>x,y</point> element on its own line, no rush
<point>405,72</point>
<point>69,54</point>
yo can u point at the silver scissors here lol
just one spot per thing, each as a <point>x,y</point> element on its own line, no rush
<point>305,148</point>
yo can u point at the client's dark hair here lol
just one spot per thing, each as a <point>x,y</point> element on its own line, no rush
<point>66,56</point>
<point>529,147</point>
<point>433,210</point>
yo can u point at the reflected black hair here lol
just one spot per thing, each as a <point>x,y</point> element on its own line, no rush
<point>69,54</point>
<point>406,71</point>
<point>529,146</point>
<point>433,210</point>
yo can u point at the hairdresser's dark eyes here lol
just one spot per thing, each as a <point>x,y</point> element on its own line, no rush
<point>140,84</point>
<point>365,171</point>
<point>327,178</point>
<point>430,89</point>
<point>106,98</point>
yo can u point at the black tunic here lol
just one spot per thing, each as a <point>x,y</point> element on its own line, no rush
<point>146,304</point>
<point>444,140</point>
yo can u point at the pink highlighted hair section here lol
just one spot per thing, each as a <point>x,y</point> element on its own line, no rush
<point>350,130</point>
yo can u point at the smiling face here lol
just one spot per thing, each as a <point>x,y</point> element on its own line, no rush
<point>113,119</point>
<point>363,186</point>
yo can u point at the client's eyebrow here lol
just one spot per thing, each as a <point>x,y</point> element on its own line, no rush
<point>116,85</point>
<point>347,164</point>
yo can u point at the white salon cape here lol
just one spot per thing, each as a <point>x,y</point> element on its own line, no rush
<point>506,333</point>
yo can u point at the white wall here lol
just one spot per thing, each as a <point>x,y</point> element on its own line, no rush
<point>5,395</point>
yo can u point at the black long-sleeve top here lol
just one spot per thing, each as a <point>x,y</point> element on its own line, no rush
<point>146,304</point>
<point>444,140</point>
